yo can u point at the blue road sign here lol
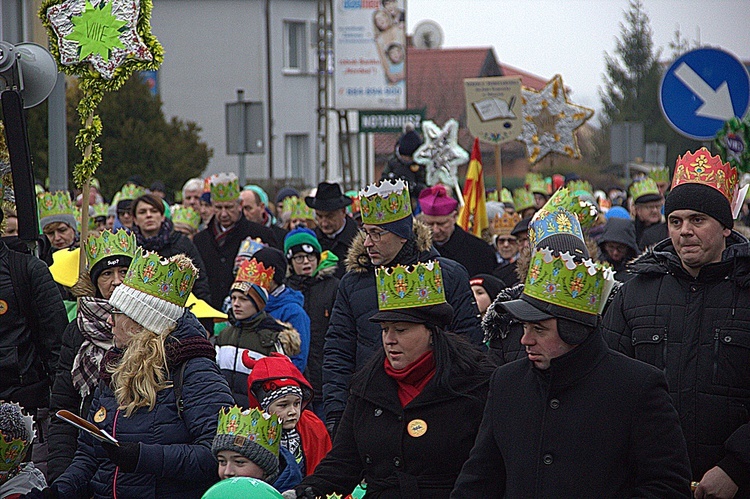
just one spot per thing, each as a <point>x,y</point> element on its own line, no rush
<point>703,89</point>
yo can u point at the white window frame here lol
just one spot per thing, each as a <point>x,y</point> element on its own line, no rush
<point>297,148</point>
<point>300,45</point>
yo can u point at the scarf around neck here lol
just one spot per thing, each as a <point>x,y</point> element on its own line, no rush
<point>97,339</point>
<point>156,242</point>
<point>413,378</point>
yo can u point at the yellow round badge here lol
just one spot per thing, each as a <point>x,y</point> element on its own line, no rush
<point>417,428</point>
<point>3,307</point>
<point>100,415</point>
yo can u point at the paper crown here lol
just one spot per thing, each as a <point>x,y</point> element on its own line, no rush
<point>561,280</point>
<point>385,202</point>
<point>355,206</point>
<point>576,186</point>
<point>398,287</point>
<point>254,272</point>
<point>54,204</point>
<point>131,191</point>
<point>108,244</point>
<point>225,187</point>
<point>536,183</point>
<point>253,425</point>
<point>659,174</point>
<point>186,215</point>
<point>16,434</point>
<point>552,223</point>
<point>523,199</point>
<point>506,196</point>
<point>644,187</point>
<point>100,210</point>
<point>249,246</point>
<point>492,196</point>
<point>503,224</point>
<point>170,279</point>
<point>703,168</point>
<point>585,211</point>
<point>733,143</point>
<point>297,208</point>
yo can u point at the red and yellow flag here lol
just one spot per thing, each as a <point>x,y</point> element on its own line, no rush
<point>473,215</point>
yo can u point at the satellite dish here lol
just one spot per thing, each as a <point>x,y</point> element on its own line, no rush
<point>428,35</point>
<point>28,68</point>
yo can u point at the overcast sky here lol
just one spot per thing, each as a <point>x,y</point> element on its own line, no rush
<point>570,37</point>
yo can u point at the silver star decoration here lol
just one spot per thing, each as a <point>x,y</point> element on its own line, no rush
<point>441,153</point>
<point>550,121</point>
<point>60,16</point>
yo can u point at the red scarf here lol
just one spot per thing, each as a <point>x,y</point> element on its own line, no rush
<point>413,378</point>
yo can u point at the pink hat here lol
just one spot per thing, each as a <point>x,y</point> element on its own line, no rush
<point>436,202</point>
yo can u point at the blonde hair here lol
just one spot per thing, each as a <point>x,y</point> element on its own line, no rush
<point>142,372</point>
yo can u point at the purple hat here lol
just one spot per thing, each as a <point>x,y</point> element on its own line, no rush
<point>436,202</point>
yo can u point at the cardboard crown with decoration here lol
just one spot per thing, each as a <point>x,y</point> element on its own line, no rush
<point>250,426</point>
<point>644,187</point>
<point>585,211</point>
<point>100,210</point>
<point>503,223</point>
<point>297,208</point>
<point>186,215</point>
<point>225,187</point>
<point>580,186</point>
<point>253,272</point>
<point>555,222</point>
<point>388,201</point>
<point>523,199</point>
<point>536,183</point>
<point>130,191</point>
<point>402,287</point>
<point>108,244</point>
<point>703,168</point>
<point>506,197</point>
<point>660,174</point>
<point>56,207</point>
<point>16,434</point>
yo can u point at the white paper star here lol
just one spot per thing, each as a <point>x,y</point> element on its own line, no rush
<point>61,18</point>
<point>441,153</point>
<point>550,121</point>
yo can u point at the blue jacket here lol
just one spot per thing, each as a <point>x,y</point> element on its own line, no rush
<point>175,459</point>
<point>287,306</point>
<point>291,475</point>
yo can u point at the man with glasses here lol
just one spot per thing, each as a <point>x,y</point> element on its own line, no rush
<point>506,247</point>
<point>390,236</point>
<point>335,229</point>
<point>439,212</point>
<point>648,203</point>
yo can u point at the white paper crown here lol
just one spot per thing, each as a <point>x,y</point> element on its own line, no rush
<point>384,188</point>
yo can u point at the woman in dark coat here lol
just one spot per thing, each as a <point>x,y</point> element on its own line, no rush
<point>86,340</point>
<point>159,393</point>
<point>414,409</point>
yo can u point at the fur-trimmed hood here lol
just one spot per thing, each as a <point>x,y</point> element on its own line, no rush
<point>358,261</point>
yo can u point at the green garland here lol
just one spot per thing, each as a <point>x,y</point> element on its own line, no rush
<point>93,86</point>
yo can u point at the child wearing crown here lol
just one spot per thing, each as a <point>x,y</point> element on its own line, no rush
<point>251,331</point>
<point>16,433</point>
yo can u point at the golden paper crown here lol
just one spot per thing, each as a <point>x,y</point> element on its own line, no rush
<point>255,272</point>
<point>504,223</point>
<point>703,168</point>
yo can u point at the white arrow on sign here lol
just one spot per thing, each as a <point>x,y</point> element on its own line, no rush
<point>717,104</point>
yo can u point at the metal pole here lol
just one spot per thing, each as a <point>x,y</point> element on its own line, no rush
<point>57,167</point>
<point>241,133</point>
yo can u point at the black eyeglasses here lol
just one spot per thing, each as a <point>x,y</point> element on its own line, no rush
<point>374,236</point>
<point>303,258</point>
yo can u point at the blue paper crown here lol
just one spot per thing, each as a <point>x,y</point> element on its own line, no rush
<point>556,222</point>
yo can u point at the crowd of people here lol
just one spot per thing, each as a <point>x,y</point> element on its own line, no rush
<point>589,344</point>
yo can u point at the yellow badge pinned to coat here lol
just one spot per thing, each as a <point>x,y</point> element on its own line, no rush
<point>417,428</point>
<point>100,415</point>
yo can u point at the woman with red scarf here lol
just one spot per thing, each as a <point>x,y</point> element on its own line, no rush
<point>415,408</point>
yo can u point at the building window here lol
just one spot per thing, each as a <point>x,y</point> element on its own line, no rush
<point>295,50</point>
<point>297,156</point>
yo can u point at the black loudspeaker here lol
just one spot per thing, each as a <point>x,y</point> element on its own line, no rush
<point>20,165</point>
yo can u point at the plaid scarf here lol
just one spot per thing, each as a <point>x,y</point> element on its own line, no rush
<point>97,339</point>
<point>157,242</point>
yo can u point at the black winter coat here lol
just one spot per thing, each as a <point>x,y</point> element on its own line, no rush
<point>319,293</point>
<point>373,442</point>
<point>29,354</point>
<point>221,257</point>
<point>698,331</point>
<point>595,424</point>
<point>352,339</point>
<point>473,253</point>
<point>339,245</point>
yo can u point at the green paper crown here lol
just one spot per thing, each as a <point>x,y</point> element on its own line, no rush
<point>108,244</point>
<point>562,281</point>
<point>506,196</point>
<point>492,196</point>
<point>55,203</point>
<point>131,191</point>
<point>660,174</point>
<point>399,287</point>
<point>643,187</point>
<point>13,448</point>
<point>100,210</point>
<point>523,199</point>
<point>297,208</point>
<point>186,215</point>
<point>562,199</point>
<point>733,143</point>
<point>254,425</point>
<point>536,183</point>
<point>225,187</point>
<point>170,280</point>
<point>386,202</point>
<point>577,186</point>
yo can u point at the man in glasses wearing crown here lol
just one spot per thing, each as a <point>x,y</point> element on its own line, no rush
<point>573,418</point>
<point>389,236</point>
<point>687,311</point>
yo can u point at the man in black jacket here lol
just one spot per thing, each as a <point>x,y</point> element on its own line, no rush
<point>219,242</point>
<point>687,311</point>
<point>335,230</point>
<point>387,239</point>
<point>573,418</point>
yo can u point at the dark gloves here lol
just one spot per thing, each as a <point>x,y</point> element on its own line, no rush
<point>46,493</point>
<point>332,423</point>
<point>125,456</point>
<point>305,492</point>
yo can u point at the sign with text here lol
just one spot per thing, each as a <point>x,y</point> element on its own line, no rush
<point>494,108</point>
<point>370,49</point>
<point>390,121</point>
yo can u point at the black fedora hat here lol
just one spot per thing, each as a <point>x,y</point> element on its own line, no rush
<point>328,198</point>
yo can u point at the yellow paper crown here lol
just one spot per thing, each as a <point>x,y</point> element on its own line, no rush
<point>703,168</point>
<point>503,223</point>
<point>255,272</point>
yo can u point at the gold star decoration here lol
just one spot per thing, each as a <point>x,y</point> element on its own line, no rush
<point>550,121</point>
